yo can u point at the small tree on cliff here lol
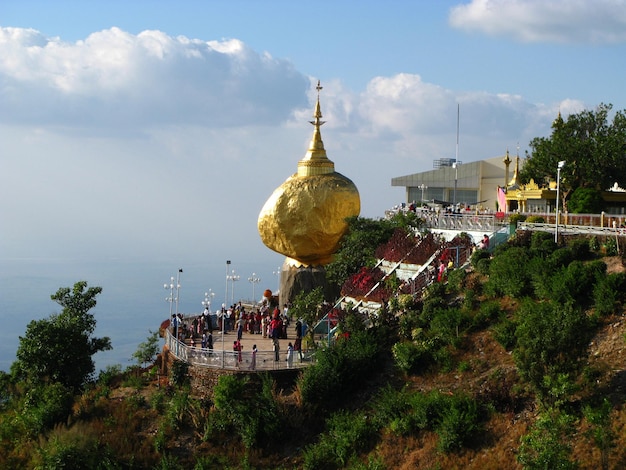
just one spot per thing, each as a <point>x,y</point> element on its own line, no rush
<point>59,349</point>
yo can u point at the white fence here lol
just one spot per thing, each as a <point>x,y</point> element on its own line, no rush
<point>229,359</point>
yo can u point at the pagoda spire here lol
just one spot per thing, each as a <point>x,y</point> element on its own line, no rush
<point>514,183</point>
<point>315,162</point>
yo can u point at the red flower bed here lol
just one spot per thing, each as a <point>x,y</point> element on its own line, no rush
<point>358,285</point>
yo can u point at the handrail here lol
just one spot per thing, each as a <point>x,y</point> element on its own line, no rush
<point>229,360</point>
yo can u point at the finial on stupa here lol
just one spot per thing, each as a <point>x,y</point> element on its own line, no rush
<point>315,162</point>
<point>514,183</point>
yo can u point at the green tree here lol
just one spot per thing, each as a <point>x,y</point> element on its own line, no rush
<point>551,343</point>
<point>307,305</point>
<point>60,348</point>
<point>547,443</point>
<point>593,149</point>
<point>585,201</point>
<point>147,350</point>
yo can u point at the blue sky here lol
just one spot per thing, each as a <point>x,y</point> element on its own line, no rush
<point>157,129</point>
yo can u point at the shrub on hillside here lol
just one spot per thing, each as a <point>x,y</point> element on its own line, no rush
<point>504,333</point>
<point>542,244</point>
<point>457,419</point>
<point>576,282</point>
<point>489,312</point>
<point>414,356</point>
<point>551,341</point>
<point>609,293</point>
<point>509,273</point>
<point>342,369</point>
<point>580,247</point>
<point>346,435</point>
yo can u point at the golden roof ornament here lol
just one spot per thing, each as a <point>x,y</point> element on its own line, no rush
<point>305,217</point>
<point>514,183</point>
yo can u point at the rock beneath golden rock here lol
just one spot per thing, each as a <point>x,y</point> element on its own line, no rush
<point>304,219</point>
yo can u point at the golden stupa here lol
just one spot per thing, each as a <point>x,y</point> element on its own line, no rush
<point>304,218</point>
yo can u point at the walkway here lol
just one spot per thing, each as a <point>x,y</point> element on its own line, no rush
<point>223,357</point>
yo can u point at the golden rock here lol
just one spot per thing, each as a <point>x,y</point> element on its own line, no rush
<point>304,218</point>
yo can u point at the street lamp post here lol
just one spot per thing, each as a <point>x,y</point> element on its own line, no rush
<point>277,274</point>
<point>226,295</point>
<point>455,165</point>
<point>558,184</point>
<point>171,299</point>
<point>233,278</point>
<point>422,187</point>
<point>254,281</point>
<point>208,296</point>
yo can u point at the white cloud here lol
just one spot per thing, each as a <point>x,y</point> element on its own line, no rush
<point>114,79</point>
<point>149,145</point>
<point>552,21</point>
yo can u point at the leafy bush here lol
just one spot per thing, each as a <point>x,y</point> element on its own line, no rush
<point>76,447</point>
<point>580,247</point>
<point>456,419</point>
<point>489,312</point>
<point>585,201</point>
<point>456,279</point>
<point>412,356</point>
<point>608,293</point>
<point>504,334</point>
<point>509,273</point>
<point>559,258</point>
<point>547,443</point>
<point>483,265</point>
<point>179,375</point>
<point>535,219</point>
<point>341,369</point>
<point>246,409</point>
<point>610,247</point>
<point>46,405</point>
<point>515,218</point>
<point>448,324</point>
<point>347,434</point>
<point>459,422</point>
<point>477,256</point>
<point>542,244</point>
<point>576,282</point>
<point>551,340</point>
<point>109,374</point>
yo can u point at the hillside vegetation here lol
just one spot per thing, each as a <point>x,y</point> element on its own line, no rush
<point>516,362</point>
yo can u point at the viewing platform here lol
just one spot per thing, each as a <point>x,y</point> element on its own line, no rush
<point>222,355</point>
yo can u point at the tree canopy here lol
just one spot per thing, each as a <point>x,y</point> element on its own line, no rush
<point>59,349</point>
<point>593,149</point>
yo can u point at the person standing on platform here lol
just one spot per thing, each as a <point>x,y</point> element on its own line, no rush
<point>290,356</point>
<point>237,347</point>
<point>253,359</point>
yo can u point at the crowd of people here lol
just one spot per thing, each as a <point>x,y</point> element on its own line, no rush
<point>272,323</point>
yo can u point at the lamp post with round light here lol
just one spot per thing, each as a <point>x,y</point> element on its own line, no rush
<point>277,274</point>
<point>254,281</point>
<point>558,184</point>
<point>208,296</point>
<point>455,165</point>
<point>174,300</point>
<point>422,187</point>
<point>233,278</point>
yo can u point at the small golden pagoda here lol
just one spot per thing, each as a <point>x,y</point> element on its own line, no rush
<point>526,197</point>
<point>304,218</point>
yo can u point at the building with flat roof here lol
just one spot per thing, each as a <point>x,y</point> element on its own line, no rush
<point>473,184</point>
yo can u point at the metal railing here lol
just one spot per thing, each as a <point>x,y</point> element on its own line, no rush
<point>573,229</point>
<point>229,359</point>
